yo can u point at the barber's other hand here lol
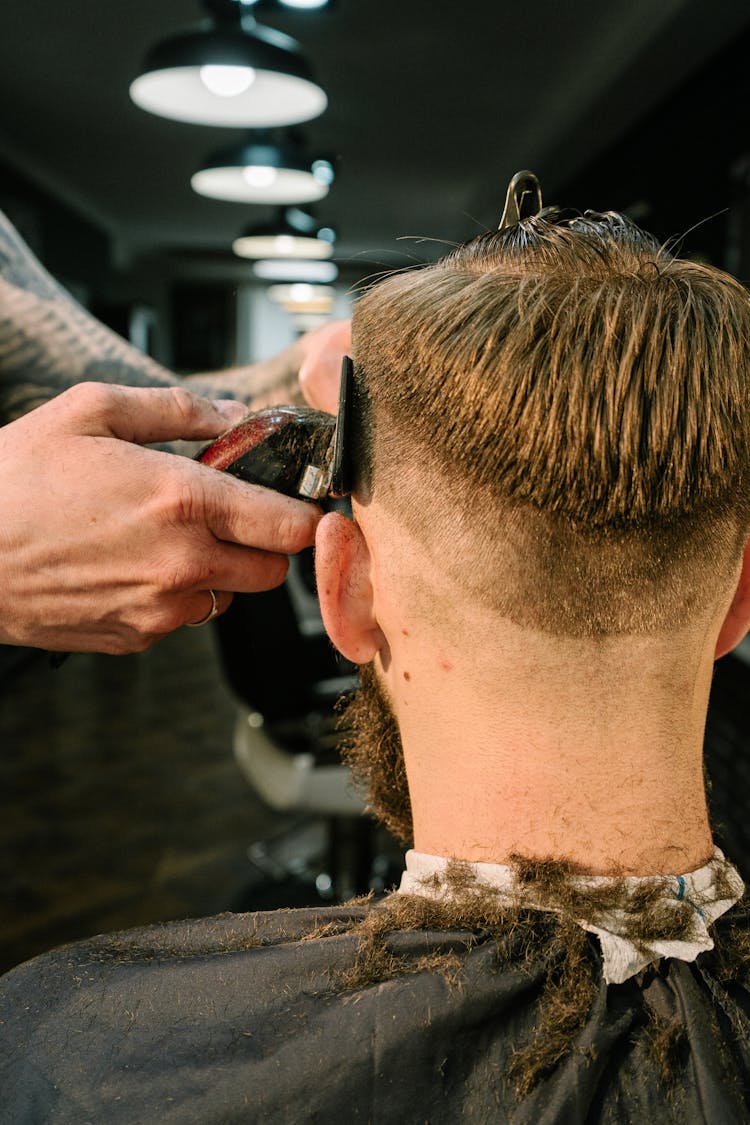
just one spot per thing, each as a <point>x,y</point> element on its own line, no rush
<point>106,546</point>
<point>320,371</point>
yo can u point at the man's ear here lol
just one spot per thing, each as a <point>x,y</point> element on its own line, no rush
<point>737,621</point>
<point>342,570</point>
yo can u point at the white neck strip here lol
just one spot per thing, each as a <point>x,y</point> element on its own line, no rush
<point>425,875</point>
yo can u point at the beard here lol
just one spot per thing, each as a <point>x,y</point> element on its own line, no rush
<point>372,748</point>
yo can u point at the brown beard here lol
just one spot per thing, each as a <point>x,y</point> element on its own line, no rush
<point>372,748</point>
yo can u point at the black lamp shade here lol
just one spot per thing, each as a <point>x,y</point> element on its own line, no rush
<point>260,172</point>
<point>282,238</point>
<point>255,77</point>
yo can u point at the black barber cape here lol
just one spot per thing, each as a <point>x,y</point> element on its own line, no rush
<point>247,1018</point>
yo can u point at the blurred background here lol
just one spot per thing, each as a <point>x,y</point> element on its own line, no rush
<point>202,775</point>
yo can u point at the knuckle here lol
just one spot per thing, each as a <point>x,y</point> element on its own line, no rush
<point>170,617</point>
<point>185,403</point>
<point>145,641</point>
<point>114,646</point>
<point>126,642</point>
<point>140,628</point>
<point>182,499</point>
<point>158,619</point>
<point>94,398</point>
<point>295,530</point>
<point>180,575</point>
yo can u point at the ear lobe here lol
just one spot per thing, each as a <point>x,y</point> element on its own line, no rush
<point>737,621</point>
<point>342,571</point>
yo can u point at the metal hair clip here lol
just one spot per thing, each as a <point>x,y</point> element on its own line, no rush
<point>293,449</point>
<point>522,199</point>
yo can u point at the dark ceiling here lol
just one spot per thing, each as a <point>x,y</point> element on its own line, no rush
<point>432,106</point>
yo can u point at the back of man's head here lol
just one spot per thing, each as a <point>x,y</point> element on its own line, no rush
<point>570,406</point>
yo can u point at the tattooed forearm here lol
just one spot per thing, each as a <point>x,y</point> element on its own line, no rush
<point>262,384</point>
<point>19,267</point>
<point>48,342</point>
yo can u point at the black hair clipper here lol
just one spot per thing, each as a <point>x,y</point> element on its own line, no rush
<point>292,449</point>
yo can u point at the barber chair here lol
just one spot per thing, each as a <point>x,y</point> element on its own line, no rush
<point>287,678</point>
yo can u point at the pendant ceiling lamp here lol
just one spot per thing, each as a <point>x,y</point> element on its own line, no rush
<point>264,171</point>
<point>230,71</point>
<point>302,297</point>
<point>276,269</point>
<point>308,305</point>
<point>299,5</point>
<point>291,234</point>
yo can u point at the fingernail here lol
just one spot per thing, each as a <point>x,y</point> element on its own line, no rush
<point>230,409</point>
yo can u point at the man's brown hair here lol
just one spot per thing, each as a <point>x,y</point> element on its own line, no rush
<point>577,403</point>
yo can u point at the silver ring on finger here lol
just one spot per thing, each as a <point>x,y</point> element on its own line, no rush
<point>213,612</point>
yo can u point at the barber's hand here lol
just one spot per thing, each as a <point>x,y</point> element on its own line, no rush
<point>320,371</point>
<point>106,546</point>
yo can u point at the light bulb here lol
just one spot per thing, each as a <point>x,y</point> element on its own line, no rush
<point>322,170</point>
<point>259,176</point>
<point>227,81</point>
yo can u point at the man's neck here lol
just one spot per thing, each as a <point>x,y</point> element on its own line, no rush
<point>596,762</point>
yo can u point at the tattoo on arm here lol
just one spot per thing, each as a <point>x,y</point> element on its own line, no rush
<point>48,343</point>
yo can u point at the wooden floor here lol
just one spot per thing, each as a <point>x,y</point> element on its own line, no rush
<point>120,802</point>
